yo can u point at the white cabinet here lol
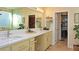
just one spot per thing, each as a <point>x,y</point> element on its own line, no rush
<point>39,43</point>
<point>26,45</point>
<point>21,46</point>
<point>43,41</point>
<point>7,48</point>
<point>49,38</point>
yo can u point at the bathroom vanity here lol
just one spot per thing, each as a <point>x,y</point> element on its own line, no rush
<point>21,40</point>
<point>17,38</point>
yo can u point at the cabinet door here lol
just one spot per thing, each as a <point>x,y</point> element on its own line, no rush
<point>21,46</point>
<point>45,41</point>
<point>38,44</point>
<point>32,47</point>
<point>32,44</point>
<point>7,48</point>
<point>49,38</point>
<point>41,43</point>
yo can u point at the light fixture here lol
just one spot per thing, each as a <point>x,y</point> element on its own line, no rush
<point>48,17</point>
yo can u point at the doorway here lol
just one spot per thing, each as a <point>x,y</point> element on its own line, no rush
<point>61,27</point>
<point>31,21</point>
<point>64,26</point>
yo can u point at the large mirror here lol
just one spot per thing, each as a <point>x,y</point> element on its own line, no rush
<point>20,18</point>
<point>5,19</point>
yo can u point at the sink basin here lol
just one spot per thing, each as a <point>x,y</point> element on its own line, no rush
<point>14,37</point>
<point>9,39</point>
<point>3,39</point>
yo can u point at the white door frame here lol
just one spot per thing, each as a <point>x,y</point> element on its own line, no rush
<point>54,25</point>
<point>58,25</point>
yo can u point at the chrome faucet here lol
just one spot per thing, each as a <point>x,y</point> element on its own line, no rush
<point>5,32</point>
<point>8,33</point>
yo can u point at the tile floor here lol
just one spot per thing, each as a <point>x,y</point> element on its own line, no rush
<point>60,46</point>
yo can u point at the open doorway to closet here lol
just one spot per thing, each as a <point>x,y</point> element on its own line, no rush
<point>61,28</point>
<point>64,26</point>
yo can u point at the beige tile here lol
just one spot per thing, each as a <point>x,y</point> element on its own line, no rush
<point>60,46</point>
